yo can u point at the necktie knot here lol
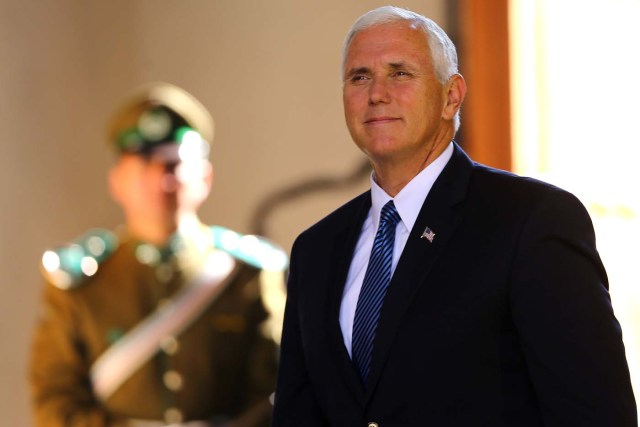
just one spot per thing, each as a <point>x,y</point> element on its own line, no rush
<point>389,215</point>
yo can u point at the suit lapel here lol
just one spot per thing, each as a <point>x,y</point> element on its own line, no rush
<point>344,246</point>
<point>441,212</point>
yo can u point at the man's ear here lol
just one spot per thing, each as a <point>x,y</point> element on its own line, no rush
<point>456,89</point>
<point>208,176</point>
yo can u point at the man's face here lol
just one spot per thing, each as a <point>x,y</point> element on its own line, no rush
<point>156,192</point>
<point>393,102</point>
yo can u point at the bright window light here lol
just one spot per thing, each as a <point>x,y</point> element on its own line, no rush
<point>575,86</point>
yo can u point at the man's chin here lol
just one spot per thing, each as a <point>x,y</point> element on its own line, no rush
<point>382,149</point>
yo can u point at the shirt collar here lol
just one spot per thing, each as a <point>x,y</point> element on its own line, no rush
<point>410,199</point>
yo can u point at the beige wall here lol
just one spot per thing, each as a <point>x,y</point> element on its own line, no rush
<point>267,70</point>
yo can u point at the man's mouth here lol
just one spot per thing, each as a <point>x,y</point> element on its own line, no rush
<point>381,120</point>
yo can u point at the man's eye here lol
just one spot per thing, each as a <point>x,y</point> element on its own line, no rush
<point>401,74</point>
<point>359,78</point>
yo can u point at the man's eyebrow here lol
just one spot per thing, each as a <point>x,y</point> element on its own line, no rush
<point>366,70</point>
<point>358,70</point>
<point>398,65</point>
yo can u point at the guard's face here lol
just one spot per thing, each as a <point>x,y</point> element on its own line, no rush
<point>155,192</point>
<point>393,102</point>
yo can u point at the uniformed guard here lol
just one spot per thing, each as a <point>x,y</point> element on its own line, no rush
<point>165,321</point>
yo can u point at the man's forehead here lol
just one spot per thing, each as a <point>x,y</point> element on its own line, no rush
<point>388,37</point>
<point>388,45</point>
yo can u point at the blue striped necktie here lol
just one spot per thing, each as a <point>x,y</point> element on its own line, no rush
<point>374,288</point>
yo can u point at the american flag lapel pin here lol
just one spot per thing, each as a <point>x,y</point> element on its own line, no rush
<point>428,234</point>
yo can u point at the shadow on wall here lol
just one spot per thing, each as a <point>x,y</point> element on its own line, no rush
<point>267,207</point>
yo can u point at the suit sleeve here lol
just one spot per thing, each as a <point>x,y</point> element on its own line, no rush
<point>59,374</point>
<point>562,309</point>
<point>295,402</point>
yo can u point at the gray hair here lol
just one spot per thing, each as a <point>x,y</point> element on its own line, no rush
<point>443,52</point>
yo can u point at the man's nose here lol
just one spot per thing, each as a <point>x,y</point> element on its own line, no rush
<point>169,181</point>
<point>379,90</point>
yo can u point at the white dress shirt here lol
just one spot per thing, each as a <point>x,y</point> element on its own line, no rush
<point>408,203</point>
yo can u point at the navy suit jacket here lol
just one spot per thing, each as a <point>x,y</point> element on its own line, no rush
<point>503,320</point>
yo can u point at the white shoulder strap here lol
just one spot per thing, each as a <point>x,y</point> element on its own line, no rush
<point>129,353</point>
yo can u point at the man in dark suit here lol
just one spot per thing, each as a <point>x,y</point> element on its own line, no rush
<point>450,294</point>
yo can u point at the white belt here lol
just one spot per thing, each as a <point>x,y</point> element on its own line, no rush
<point>124,357</point>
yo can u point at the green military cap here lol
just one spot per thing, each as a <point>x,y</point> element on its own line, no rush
<point>162,120</point>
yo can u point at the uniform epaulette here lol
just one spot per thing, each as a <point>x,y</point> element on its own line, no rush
<point>254,250</point>
<point>68,266</point>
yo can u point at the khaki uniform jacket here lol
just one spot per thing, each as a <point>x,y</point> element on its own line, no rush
<point>222,366</point>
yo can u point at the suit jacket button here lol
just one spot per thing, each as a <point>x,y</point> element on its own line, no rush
<point>372,424</point>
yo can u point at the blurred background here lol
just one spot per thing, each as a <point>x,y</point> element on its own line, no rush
<point>552,93</point>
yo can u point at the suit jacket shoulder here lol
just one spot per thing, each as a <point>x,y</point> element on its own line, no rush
<point>528,199</point>
<point>522,187</point>
<point>347,215</point>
